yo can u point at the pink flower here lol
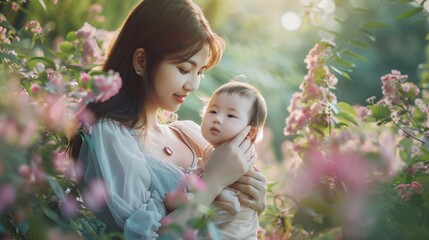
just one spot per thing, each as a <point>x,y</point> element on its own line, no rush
<point>84,77</point>
<point>363,113</point>
<point>34,27</point>
<point>7,196</point>
<point>24,170</point>
<point>108,86</point>
<point>190,234</point>
<point>175,198</point>
<point>35,87</point>
<point>91,51</point>
<point>390,87</point>
<point>95,195</point>
<point>86,31</point>
<point>416,187</point>
<point>95,8</point>
<point>69,207</point>
<point>30,130</point>
<point>60,161</point>
<point>193,183</point>
<point>55,111</point>
<point>86,116</point>
<point>166,220</point>
<point>15,6</point>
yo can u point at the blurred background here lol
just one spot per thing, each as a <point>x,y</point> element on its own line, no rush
<point>267,41</point>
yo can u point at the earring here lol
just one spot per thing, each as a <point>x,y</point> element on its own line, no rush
<point>139,71</point>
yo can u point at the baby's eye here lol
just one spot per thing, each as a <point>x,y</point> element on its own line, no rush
<point>232,116</point>
<point>183,71</point>
<point>212,112</point>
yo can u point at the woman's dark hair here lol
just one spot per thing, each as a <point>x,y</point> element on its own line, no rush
<point>164,29</point>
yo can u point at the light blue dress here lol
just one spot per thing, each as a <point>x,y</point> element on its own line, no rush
<point>136,182</point>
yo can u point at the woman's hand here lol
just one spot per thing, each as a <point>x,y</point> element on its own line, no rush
<point>230,161</point>
<point>253,188</point>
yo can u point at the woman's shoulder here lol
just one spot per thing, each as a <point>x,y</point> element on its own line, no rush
<point>107,126</point>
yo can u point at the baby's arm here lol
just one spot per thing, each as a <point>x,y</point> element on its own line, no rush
<point>226,206</point>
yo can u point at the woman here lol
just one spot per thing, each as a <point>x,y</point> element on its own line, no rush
<point>161,51</point>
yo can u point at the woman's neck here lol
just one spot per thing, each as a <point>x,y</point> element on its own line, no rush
<point>149,120</point>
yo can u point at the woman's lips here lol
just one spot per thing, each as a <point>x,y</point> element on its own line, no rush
<point>179,98</point>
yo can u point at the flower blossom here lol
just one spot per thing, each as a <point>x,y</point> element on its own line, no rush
<point>95,195</point>
<point>405,191</point>
<point>3,35</point>
<point>15,6</point>
<point>91,51</point>
<point>7,196</point>
<point>34,27</point>
<point>390,87</point>
<point>107,86</point>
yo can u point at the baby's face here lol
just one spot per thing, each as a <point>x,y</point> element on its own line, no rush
<point>225,116</point>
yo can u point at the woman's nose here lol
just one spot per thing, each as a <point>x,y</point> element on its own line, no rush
<point>193,83</point>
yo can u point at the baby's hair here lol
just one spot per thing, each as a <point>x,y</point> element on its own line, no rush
<point>258,114</point>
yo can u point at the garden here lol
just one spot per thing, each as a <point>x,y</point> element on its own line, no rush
<point>346,144</point>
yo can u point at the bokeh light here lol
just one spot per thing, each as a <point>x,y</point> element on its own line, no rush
<point>290,21</point>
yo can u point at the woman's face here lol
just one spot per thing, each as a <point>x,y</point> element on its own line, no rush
<point>174,81</point>
<point>225,116</point>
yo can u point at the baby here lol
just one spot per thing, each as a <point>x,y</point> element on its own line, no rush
<point>231,108</point>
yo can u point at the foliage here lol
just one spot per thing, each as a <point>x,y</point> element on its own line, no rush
<point>362,169</point>
<point>42,103</point>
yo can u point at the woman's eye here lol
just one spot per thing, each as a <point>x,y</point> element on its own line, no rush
<point>183,71</point>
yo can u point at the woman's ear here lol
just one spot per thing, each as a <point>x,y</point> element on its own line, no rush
<point>139,61</point>
<point>252,134</point>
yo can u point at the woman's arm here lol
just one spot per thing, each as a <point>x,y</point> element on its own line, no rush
<point>226,164</point>
<point>253,188</point>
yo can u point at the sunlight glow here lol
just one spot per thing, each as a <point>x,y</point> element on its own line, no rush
<point>328,6</point>
<point>290,21</point>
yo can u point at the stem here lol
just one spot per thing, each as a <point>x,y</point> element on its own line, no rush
<point>409,134</point>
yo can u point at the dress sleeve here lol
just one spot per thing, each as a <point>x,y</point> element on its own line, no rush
<point>117,159</point>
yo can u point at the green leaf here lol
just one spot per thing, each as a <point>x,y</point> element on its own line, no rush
<point>270,186</point>
<point>409,13</point>
<point>49,62</point>
<point>347,113</point>
<point>367,34</point>
<point>67,47</point>
<point>331,32</point>
<point>56,188</point>
<point>358,43</point>
<point>358,9</point>
<point>42,3</point>
<point>344,62</point>
<point>342,73</point>
<point>347,108</point>
<point>355,55</point>
<point>71,36</point>
<point>8,56</point>
<point>379,112</point>
<point>334,108</point>
<point>375,24</point>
